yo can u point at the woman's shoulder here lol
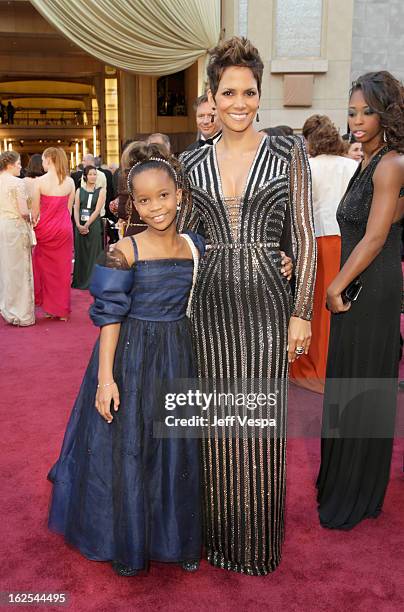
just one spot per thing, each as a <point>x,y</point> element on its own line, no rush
<point>284,146</point>
<point>69,181</point>
<point>15,183</point>
<point>191,159</point>
<point>390,168</point>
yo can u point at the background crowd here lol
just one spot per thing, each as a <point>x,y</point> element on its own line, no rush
<point>56,224</point>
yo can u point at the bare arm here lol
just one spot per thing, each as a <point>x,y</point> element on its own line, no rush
<point>387,181</point>
<point>107,390</point>
<point>71,196</point>
<point>36,196</point>
<point>22,205</point>
<point>77,209</point>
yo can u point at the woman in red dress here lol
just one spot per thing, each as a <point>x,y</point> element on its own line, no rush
<point>52,259</point>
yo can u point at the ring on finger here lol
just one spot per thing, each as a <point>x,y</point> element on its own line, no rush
<point>299,350</point>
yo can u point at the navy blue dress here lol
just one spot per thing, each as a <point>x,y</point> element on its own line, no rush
<point>119,493</point>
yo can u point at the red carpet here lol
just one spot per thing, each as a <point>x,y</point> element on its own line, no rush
<point>41,370</point>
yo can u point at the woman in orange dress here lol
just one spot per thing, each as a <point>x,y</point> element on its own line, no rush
<point>331,173</point>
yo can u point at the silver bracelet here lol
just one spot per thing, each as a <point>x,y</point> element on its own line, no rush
<point>105,385</point>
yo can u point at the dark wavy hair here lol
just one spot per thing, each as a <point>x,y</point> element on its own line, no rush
<point>34,167</point>
<point>86,171</point>
<point>322,136</point>
<point>385,95</point>
<point>237,51</point>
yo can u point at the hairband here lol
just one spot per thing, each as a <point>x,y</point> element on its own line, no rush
<point>157,159</point>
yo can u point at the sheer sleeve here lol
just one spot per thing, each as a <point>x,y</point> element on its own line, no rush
<point>111,286</point>
<point>303,238</point>
<point>19,193</point>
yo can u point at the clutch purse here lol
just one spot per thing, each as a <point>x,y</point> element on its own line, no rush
<point>351,293</point>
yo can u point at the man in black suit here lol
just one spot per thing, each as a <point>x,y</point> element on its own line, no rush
<point>207,122</point>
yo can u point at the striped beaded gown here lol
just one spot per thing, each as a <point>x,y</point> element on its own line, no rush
<point>241,310</point>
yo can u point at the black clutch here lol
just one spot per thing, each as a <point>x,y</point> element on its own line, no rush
<point>350,293</point>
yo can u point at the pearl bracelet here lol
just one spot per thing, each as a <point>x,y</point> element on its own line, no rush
<point>105,385</point>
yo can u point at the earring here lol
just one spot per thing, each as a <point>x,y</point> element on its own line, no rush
<point>257,117</point>
<point>212,118</point>
<point>350,138</point>
<point>384,136</point>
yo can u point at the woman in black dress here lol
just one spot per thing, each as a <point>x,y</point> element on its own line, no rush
<point>246,190</point>
<point>362,368</point>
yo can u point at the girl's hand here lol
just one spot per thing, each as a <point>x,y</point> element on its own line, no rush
<point>106,394</point>
<point>299,338</point>
<point>286,266</point>
<point>335,303</point>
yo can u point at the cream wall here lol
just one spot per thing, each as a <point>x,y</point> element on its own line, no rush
<point>332,70</point>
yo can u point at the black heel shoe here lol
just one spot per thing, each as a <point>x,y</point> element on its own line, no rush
<point>123,570</point>
<point>190,566</point>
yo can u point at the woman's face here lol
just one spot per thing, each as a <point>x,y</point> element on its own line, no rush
<point>15,168</point>
<point>363,121</point>
<point>91,177</point>
<point>237,99</point>
<point>355,151</point>
<point>156,198</point>
<point>45,163</point>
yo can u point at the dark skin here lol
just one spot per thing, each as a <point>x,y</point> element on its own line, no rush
<point>156,199</point>
<point>386,206</point>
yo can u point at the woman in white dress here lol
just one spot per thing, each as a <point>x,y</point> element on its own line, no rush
<point>330,174</point>
<point>16,280</point>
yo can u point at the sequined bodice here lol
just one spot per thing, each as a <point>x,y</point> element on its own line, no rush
<point>276,199</point>
<point>353,211</point>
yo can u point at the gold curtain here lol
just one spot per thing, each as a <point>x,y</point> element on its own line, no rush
<point>152,37</point>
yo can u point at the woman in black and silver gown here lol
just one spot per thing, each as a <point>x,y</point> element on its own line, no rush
<point>362,368</point>
<point>244,314</point>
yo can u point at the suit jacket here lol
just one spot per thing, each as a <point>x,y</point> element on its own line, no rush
<point>197,144</point>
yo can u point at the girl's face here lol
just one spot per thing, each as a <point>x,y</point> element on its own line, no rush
<point>237,99</point>
<point>355,151</point>
<point>156,198</point>
<point>363,121</point>
<point>91,177</point>
<point>15,168</point>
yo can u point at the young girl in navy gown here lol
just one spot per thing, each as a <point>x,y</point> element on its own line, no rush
<point>119,493</point>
